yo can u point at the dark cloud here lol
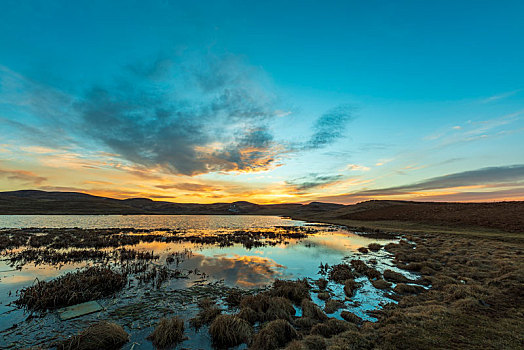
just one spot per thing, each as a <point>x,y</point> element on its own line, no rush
<point>329,127</point>
<point>313,180</point>
<point>467,178</point>
<point>219,124</point>
<point>27,177</point>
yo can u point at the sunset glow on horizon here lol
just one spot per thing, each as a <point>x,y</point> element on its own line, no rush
<point>265,102</point>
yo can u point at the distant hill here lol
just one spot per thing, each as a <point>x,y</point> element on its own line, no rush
<point>505,216</point>
<point>43,202</point>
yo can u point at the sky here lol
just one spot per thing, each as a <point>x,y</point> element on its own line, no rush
<point>264,101</point>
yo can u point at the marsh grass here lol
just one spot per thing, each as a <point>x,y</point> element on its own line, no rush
<point>332,327</point>
<point>312,311</point>
<point>333,306</point>
<point>208,312</point>
<point>168,332</point>
<point>228,330</point>
<point>102,335</point>
<point>340,273</point>
<point>72,288</point>
<point>274,335</point>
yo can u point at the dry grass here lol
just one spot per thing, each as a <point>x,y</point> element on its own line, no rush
<point>234,297</point>
<point>312,311</point>
<point>321,283</point>
<point>333,306</point>
<point>395,277</point>
<point>274,335</point>
<point>403,288</point>
<point>101,335</point>
<point>305,323</point>
<point>332,327</point>
<point>167,333</point>
<point>374,247</point>
<point>324,295</point>
<point>380,284</point>
<point>204,317</point>
<point>350,340</point>
<point>266,308</point>
<point>72,288</point>
<point>340,273</point>
<point>292,290</point>
<point>350,286</point>
<point>351,317</point>
<point>229,330</point>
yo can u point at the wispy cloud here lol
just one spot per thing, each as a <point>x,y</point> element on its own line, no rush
<point>22,176</point>
<point>356,167</point>
<point>467,178</point>
<point>501,96</point>
<point>329,127</point>
<point>313,181</point>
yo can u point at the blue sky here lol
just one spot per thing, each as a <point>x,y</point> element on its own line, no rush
<point>264,101</point>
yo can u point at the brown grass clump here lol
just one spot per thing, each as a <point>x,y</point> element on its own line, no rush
<point>311,310</point>
<point>403,288</point>
<point>296,345</point>
<point>340,273</point>
<point>380,284</point>
<point>167,333</point>
<point>351,317</point>
<point>331,328</point>
<point>229,330</point>
<point>372,273</point>
<point>374,247</point>
<point>321,283</point>
<point>248,314</point>
<point>395,277</point>
<point>333,306</point>
<point>350,286</point>
<point>274,335</point>
<point>268,308</point>
<point>102,335</point>
<point>350,340</point>
<point>324,295</point>
<point>292,290</point>
<point>314,342</point>
<point>234,297</point>
<point>305,323</point>
<point>359,266</point>
<point>205,316</point>
<point>72,288</point>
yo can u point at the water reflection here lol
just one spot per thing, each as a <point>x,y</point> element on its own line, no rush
<point>237,270</point>
<point>194,222</point>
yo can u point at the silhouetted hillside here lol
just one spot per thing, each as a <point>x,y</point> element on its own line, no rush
<point>42,202</point>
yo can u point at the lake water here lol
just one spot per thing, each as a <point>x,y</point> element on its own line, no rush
<point>212,267</point>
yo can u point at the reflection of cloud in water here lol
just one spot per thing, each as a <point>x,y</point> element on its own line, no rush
<point>341,241</point>
<point>30,273</point>
<point>242,271</point>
